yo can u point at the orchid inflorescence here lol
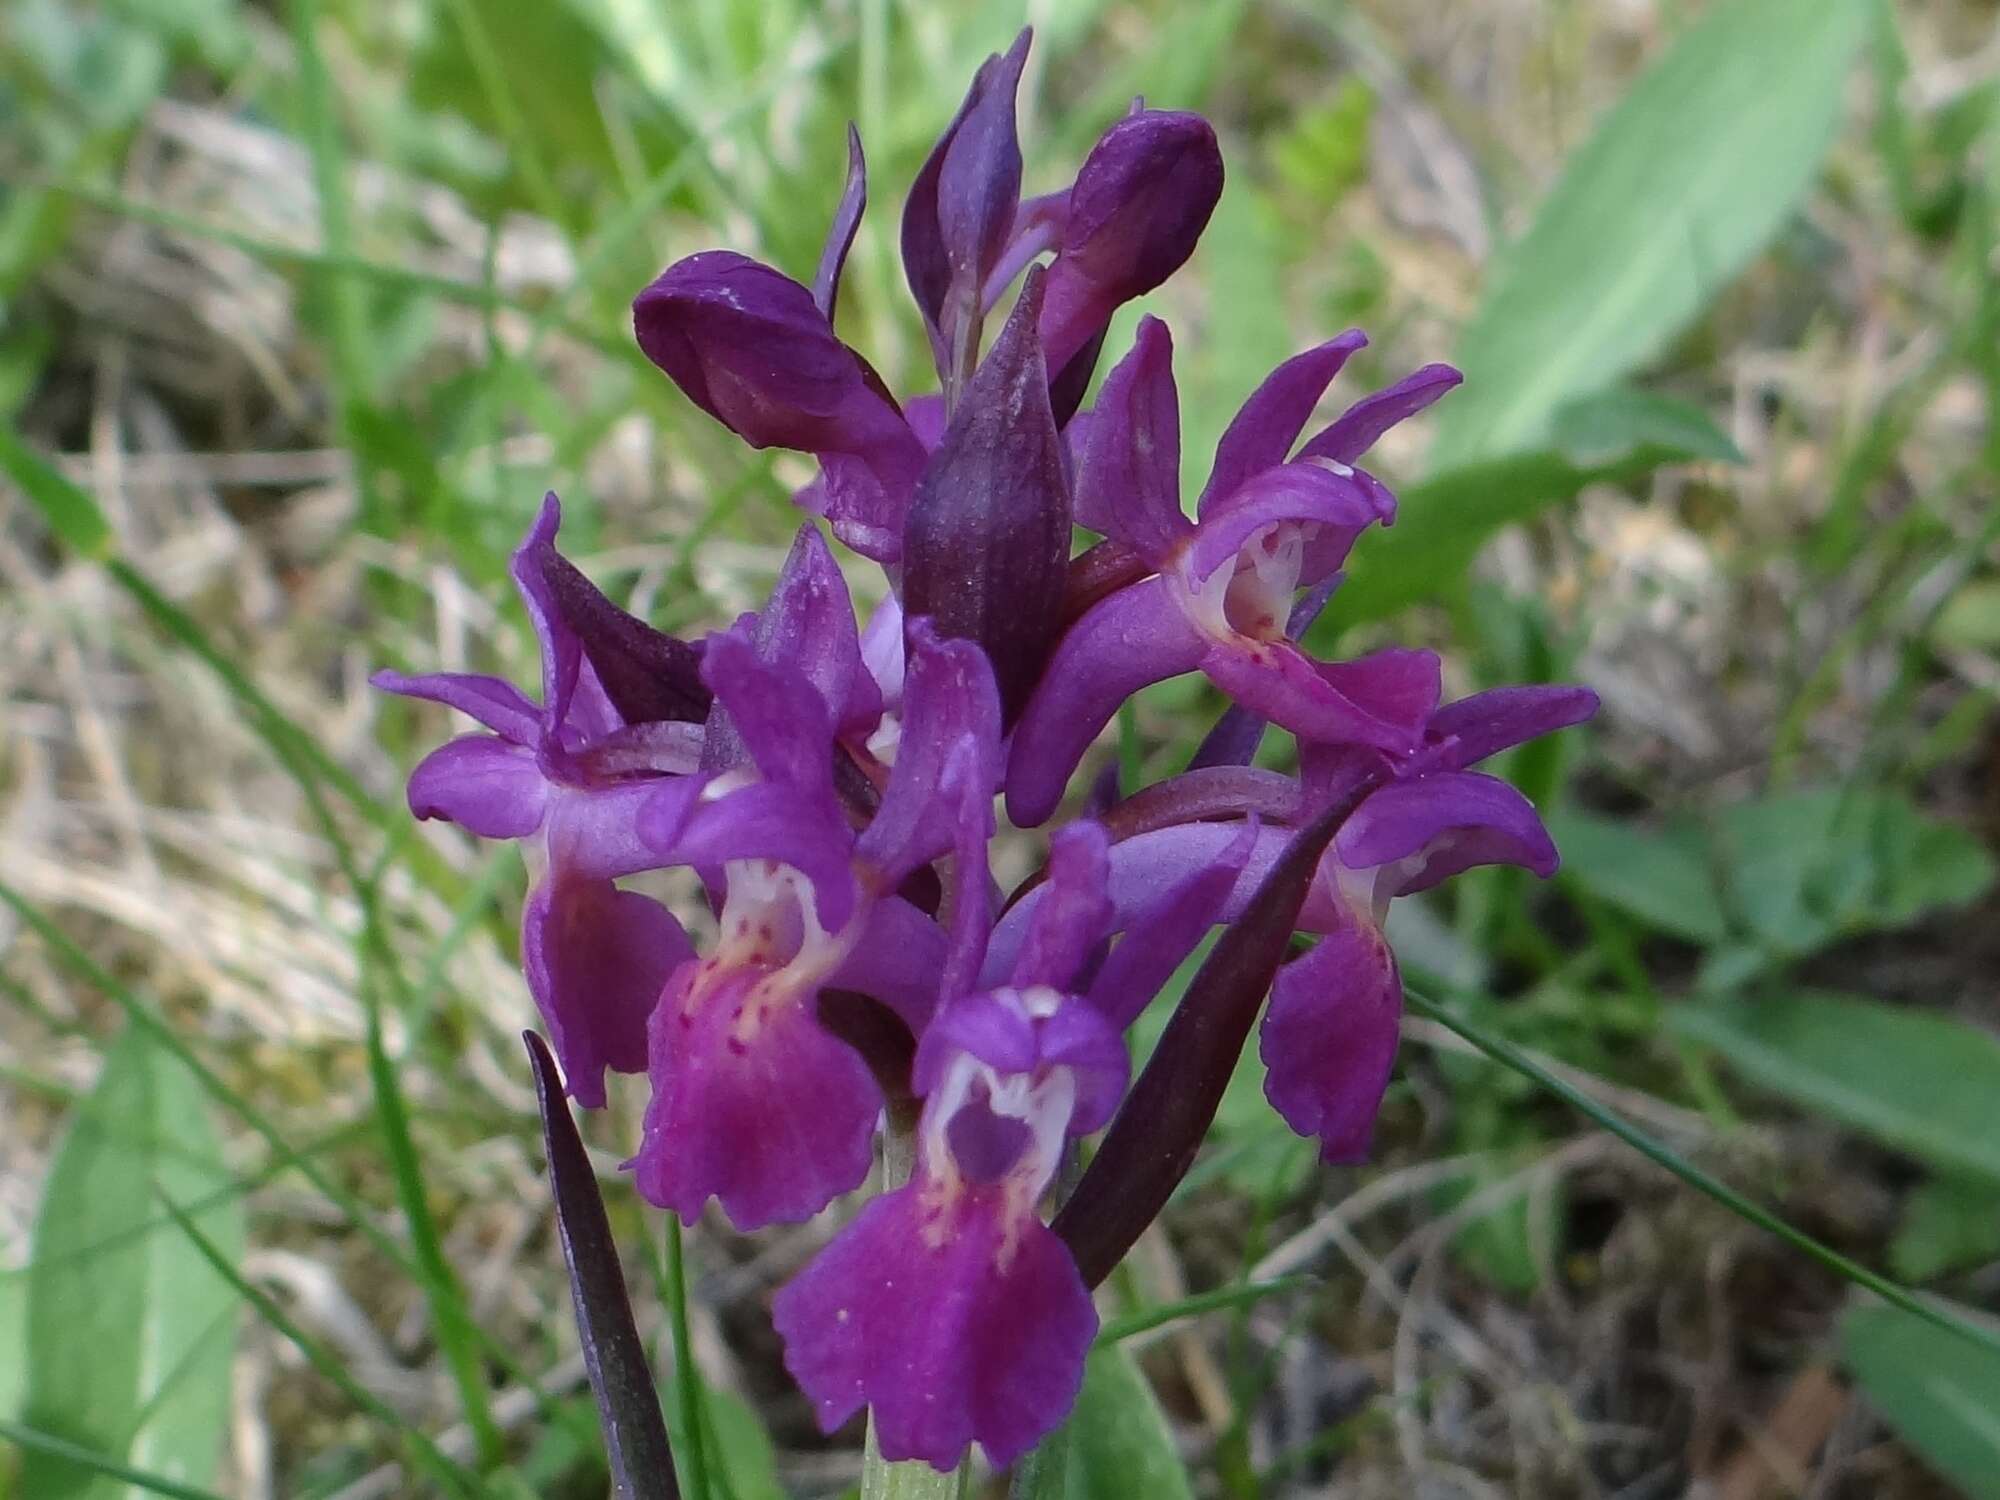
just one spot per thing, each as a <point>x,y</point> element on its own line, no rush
<point>834,786</point>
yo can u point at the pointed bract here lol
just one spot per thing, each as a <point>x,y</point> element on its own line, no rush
<point>840,233</point>
<point>987,549</point>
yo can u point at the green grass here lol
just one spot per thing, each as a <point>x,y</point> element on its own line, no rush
<point>411,234</point>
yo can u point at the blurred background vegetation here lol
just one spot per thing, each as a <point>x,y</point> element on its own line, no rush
<point>304,305</point>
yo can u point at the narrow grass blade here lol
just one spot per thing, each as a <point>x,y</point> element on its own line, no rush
<point>33,1441</point>
<point>635,1434</point>
<point>1508,1055</point>
<point>449,1314</point>
<point>1147,1319</point>
<point>687,1380</point>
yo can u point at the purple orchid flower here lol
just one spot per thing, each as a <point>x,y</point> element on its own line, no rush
<point>1220,588</point>
<point>948,1305</point>
<point>1329,1036</point>
<point>754,1103</point>
<point>567,780</point>
<point>755,350</point>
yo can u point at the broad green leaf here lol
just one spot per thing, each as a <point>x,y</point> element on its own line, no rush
<point>1119,1442</point>
<point>1916,1081</point>
<point>1440,526</point>
<point>1939,1391</point>
<point>1613,424</point>
<point>1949,1222</point>
<point>130,1330</point>
<point>1681,184</point>
<point>13,1341</point>
<point>1805,867</point>
<point>744,1451</point>
<point>1660,876</point>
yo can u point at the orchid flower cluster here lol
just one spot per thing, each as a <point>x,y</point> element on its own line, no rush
<point>833,787</point>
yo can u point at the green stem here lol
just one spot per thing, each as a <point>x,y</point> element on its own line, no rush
<point>687,1380</point>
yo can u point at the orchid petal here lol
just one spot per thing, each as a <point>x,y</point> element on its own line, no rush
<point>1329,1039</point>
<point>1128,474</point>
<point>1136,637</point>
<point>493,701</point>
<point>1262,432</point>
<point>485,785</point>
<point>1484,724</point>
<point>810,623</point>
<point>840,233</point>
<point>1075,913</point>
<point>947,763</point>
<point>954,1323</point>
<point>754,1104</point>
<point>596,959</point>
<point>1381,700</point>
<point>1449,821</point>
<point>1356,430</point>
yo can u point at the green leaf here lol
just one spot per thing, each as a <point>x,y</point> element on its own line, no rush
<point>69,510</point>
<point>1661,877</point>
<point>1617,423</point>
<point>1805,867</point>
<point>1970,620</point>
<point>1940,1393</point>
<point>1948,1223</point>
<point>1119,1441</point>
<point>130,1331</point>
<point>744,1448</point>
<point>1919,1082</point>
<point>1682,183</point>
<point>13,1341</point>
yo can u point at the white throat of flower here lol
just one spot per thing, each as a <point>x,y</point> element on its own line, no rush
<point>1042,1100</point>
<point>1251,595</point>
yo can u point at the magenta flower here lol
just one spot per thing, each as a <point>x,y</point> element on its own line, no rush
<point>1217,592</point>
<point>1329,1037</point>
<point>567,780</point>
<point>754,1103</point>
<point>947,1305</point>
<point>832,788</point>
<point>753,349</point>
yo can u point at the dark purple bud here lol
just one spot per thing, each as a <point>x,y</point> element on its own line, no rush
<point>752,348</point>
<point>1153,1141</point>
<point>1140,202</point>
<point>614,1358</point>
<point>649,676</point>
<point>962,205</point>
<point>987,549</point>
<point>840,234</point>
